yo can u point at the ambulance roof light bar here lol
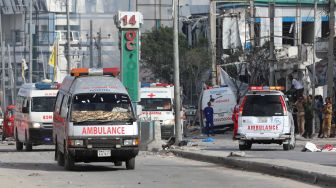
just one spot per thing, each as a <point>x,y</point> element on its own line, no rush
<point>266,88</point>
<point>95,72</point>
<point>46,86</point>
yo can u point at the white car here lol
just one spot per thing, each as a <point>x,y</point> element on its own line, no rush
<point>264,118</point>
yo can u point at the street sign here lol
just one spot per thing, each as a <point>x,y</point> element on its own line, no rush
<point>129,20</point>
<point>130,62</point>
<point>129,24</point>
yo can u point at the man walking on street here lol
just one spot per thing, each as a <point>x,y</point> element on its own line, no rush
<point>327,111</point>
<point>208,114</point>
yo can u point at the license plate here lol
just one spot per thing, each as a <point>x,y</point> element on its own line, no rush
<point>104,153</point>
<point>262,120</point>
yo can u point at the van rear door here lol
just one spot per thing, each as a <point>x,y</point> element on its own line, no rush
<point>262,114</point>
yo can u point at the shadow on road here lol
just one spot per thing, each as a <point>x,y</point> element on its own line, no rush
<point>34,150</point>
<point>80,167</point>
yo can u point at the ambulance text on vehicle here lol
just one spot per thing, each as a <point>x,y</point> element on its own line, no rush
<point>34,114</point>
<point>157,104</point>
<point>94,120</point>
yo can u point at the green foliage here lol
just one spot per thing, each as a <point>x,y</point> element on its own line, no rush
<point>157,56</point>
<point>157,52</point>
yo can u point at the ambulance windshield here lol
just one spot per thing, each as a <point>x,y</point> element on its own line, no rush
<point>43,104</point>
<point>156,104</point>
<point>101,107</point>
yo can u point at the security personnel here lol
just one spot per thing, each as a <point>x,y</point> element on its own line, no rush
<point>327,117</point>
<point>208,113</point>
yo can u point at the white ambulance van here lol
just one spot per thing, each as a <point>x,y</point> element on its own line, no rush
<point>157,104</point>
<point>34,114</point>
<point>94,120</point>
<point>223,101</point>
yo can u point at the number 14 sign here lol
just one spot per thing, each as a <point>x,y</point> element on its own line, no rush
<point>129,20</point>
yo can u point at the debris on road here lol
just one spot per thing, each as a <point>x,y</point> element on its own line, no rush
<point>311,147</point>
<point>209,139</point>
<point>237,154</point>
<point>34,174</point>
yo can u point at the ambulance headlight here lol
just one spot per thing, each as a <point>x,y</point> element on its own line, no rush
<point>128,142</point>
<point>36,125</point>
<point>78,142</point>
<point>169,122</point>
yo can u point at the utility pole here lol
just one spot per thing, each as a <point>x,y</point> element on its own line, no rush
<point>91,46</point>
<point>177,92</point>
<point>30,42</point>
<point>212,17</point>
<point>314,72</point>
<point>251,20</point>
<point>271,57</point>
<point>330,72</point>
<point>68,38</point>
<point>99,48</point>
<point>3,87</point>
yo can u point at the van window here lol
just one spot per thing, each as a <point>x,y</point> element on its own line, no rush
<point>43,104</point>
<point>157,104</point>
<point>58,102</point>
<point>64,107</point>
<point>101,107</point>
<point>263,105</point>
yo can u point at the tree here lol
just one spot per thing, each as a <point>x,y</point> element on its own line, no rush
<point>157,56</point>
<point>157,52</point>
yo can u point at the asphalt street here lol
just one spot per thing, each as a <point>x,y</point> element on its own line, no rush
<point>38,169</point>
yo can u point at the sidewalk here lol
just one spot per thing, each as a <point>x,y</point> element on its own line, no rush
<point>312,167</point>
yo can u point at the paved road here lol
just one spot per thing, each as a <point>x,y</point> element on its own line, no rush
<point>273,151</point>
<point>37,169</point>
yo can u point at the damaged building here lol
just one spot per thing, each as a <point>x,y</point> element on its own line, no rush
<point>294,34</point>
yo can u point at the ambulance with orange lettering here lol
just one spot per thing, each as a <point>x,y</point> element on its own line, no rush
<point>34,114</point>
<point>265,118</point>
<point>94,120</point>
<point>157,101</point>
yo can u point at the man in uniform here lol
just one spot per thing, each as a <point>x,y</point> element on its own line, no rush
<point>327,111</point>
<point>208,114</point>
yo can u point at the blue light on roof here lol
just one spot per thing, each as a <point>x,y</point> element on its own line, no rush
<point>43,86</point>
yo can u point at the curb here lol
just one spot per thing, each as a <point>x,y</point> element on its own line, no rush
<point>315,178</point>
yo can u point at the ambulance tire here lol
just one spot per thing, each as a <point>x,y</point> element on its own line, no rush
<point>117,163</point>
<point>130,164</point>
<point>69,162</point>
<point>60,158</point>
<point>29,147</point>
<point>246,146</point>
<point>3,137</point>
<point>19,146</point>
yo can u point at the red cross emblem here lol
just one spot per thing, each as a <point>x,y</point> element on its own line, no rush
<point>151,95</point>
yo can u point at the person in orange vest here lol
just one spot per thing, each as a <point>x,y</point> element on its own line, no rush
<point>327,111</point>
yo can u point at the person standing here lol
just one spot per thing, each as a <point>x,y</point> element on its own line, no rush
<point>318,110</point>
<point>300,114</point>
<point>308,109</point>
<point>297,86</point>
<point>208,114</point>
<point>327,111</point>
<point>235,120</point>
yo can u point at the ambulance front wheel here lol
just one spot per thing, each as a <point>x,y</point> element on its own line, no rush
<point>69,162</point>
<point>130,164</point>
<point>19,146</point>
